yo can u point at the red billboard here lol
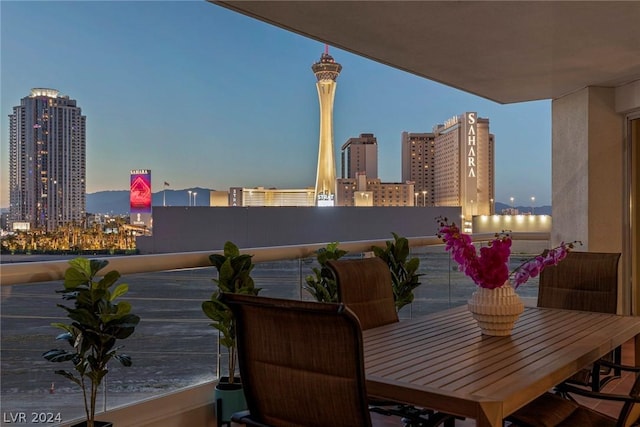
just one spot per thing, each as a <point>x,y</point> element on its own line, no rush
<point>140,193</point>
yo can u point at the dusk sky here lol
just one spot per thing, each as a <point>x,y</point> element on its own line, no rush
<point>207,97</point>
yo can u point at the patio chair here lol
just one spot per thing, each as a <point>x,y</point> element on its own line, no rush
<point>301,363</point>
<point>551,410</point>
<point>586,281</point>
<point>364,285</point>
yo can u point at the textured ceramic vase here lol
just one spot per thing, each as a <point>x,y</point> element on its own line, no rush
<point>496,310</point>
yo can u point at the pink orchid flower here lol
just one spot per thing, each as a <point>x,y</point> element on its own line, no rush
<point>490,268</point>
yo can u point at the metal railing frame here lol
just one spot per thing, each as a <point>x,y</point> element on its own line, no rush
<point>44,271</point>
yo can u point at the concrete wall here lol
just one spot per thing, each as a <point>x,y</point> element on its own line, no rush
<point>184,229</point>
<point>587,153</point>
<point>569,174</point>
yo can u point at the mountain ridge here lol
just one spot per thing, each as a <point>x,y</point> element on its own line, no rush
<point>116,202</point>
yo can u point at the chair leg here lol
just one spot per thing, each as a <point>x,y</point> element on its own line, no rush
<point>219,421</point>
<point>595,377</point>
<point>617,359</point>
<point>600,378</point>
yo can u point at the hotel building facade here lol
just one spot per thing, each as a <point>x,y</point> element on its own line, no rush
<point>360,155</point>
<point>360,185</point>
<point>47,161</point>
<point>418,165</point>
<point>454,165</point>
<point>260,196</point>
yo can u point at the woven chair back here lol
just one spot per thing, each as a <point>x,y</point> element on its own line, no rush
<point>301,362</point>
<point>364,285</point>
<point>586,281</point>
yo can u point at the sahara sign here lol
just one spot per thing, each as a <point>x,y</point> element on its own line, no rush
<point>472,132</point>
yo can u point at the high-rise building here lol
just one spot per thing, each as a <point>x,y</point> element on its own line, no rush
<point>327,72</point>
<point>418,161</point>
<point>47,161</point>
<point>360,185</point>
<point>464,165</point>
<point>360,155</point>
<point>453,165</point>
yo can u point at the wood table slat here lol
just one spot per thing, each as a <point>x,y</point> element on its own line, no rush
<point>442,361</point>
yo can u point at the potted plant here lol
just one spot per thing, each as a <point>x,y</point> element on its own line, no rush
<point>404,276</point>
<point>234,276</point>
<point>323,286</point>
<point>98,321</point>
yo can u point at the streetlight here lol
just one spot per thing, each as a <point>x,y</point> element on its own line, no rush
<point>491,212</point>
<point>533,199</point>
<point>194,198</point>
<point>424,197</point>
<point>415,199</point>
<point>511,198</point>
<point>189,197</point>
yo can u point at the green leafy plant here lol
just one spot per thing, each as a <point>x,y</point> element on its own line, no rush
<point>322,284</point>
<point>234,276</point>
<point>97,322</point>
<point>404,270</point>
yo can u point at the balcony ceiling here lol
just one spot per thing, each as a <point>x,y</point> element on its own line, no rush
<point>505,51</point>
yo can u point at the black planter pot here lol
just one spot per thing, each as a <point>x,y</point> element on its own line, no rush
<point>229,400</point>
<point>95,424</point>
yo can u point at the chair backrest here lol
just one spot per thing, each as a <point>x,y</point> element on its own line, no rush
<point>586,281</point>
<point>301,363</point>
<point>364,285</point>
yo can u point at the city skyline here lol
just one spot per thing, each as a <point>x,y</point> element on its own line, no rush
<point>207,97</point>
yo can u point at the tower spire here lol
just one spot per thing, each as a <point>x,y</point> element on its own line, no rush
<point>327,71</point>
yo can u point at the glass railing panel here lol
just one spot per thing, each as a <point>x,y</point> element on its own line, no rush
<point>281,279</point>
<point>29,384</point>
<point>174,346</point>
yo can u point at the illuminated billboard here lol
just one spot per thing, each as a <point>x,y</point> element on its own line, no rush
<point>140,197</point>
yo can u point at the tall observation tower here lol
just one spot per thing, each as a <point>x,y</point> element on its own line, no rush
<point>326,71</point>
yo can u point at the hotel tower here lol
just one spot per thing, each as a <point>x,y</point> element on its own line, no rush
<point>326,71</point>
<point>453,165</point>
<point>47,161</point>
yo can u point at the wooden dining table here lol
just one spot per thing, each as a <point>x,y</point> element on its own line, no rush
<point>442,361</point>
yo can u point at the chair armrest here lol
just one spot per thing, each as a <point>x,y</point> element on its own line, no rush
<point>566,388</point>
